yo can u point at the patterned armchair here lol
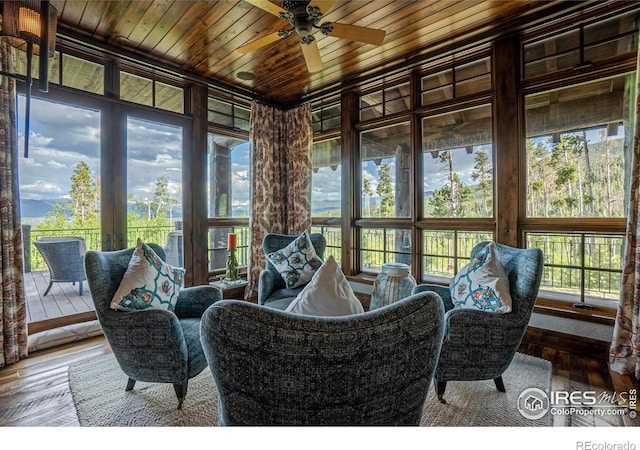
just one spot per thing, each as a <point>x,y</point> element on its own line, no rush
<point>272,291</point>
<point>480,345</point>
<point>272,367</point>
<point>64,256</point>
<point>150,345</point>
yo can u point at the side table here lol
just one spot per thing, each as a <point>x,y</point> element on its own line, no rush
<point>231,289</point>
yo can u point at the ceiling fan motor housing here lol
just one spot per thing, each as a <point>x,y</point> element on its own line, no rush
<point>300,18</point>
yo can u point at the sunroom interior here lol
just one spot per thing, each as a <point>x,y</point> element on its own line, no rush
<point>515,126</point>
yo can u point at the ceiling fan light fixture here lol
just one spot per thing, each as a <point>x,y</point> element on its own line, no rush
<point>303,28</point>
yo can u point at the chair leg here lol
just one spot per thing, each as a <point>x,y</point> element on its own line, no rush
<point>181,392</point>
<point>130,384</point>
<point>81,283</point>
<point>440,387</point>
<point>48,289</point>
<point>499,384</point>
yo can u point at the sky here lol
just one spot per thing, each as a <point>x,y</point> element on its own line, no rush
<point>63,135</point>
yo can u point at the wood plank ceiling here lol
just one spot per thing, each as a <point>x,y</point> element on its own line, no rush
<point>201,37</point>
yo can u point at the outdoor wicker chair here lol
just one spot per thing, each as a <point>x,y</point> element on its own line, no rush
<point>65,258</point>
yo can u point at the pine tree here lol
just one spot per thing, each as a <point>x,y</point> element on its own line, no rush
<point>483,174</point>
<point>385,191</point>
<point>83,196</point>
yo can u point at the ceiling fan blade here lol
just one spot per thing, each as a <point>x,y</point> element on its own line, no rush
<point>323,5</point>
<point>356,33</point>
<point>267,6</point>
<point>312,56</point>
<point>259,43</point>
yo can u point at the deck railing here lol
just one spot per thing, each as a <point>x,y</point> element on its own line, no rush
<point>33,259</point>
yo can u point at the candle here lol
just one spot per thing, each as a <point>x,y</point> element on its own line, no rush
<point>232,241</point>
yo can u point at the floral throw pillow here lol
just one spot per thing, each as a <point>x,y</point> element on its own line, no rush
<point>297,262</point>
<point>482,284</point>
<point>148,283</point>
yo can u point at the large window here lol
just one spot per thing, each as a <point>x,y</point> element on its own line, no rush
<point>227,196</point>
<point>60,180</point>
<point>326,194</point>
<point>154,186</point>
<point>458,164</point>
<point>577,151</point>
<point>385,155</point>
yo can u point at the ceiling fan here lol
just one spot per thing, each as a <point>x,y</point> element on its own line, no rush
<point>304,17</point>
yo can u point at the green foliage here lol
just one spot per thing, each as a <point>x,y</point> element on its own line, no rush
<point>574,177</point>
<point>84,195</point>
<point>385,191</point>
<point>154,210</point>
<point>483,175</point>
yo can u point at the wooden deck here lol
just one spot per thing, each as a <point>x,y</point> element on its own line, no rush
<point>62,305</point>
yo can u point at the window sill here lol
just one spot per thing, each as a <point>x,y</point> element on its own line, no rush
<point>560,308</point>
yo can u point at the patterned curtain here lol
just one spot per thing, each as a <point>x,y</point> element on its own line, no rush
<point>281,175</point>
<point>13,318</point>
<point>624,354</point>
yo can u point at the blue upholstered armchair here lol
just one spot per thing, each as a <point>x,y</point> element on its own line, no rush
<point>480,345</point>
<point>150,345</point>
<point>277,368</point>
<point>272,291</point>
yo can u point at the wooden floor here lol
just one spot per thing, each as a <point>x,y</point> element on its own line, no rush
<point>35,391</point>
<point>56,308</point>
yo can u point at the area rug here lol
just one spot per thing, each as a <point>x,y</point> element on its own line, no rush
<point>97,387</point>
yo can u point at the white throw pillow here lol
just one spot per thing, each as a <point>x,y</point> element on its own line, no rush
<point>297,262</point>
<point>148,283</point>
<point>327,294</point>
<point>482,284</point>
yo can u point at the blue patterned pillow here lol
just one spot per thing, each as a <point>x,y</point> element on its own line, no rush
<point>482,284</point>
<point>148,283</point>
<point>297,262</point>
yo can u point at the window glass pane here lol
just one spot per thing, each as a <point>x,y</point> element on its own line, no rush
<point>446,252</point>
<point>326,179</point>
<point>217,245</point>
<point>331,117</point>
<point>580,264</point>
<point>80,74</point>
<point>154,186</point>
<point>473,78</point>
<point>169,97</point>
<point>611,29</point>
<point>325,118</point>
<point>371,106</point>
<point>386,168</point>
<point>458,164</point>
<point>437,87</point>
<point>60,180</point>
<point>136,89</point>
<point>383,245</point>
<point>333,236</point>
<point>242,116</point>
<point>220,113</point>
<point>576,146</point>
<point>603,50</point>
<point>557,52</point>
<point>54,66</point>
<point>228,169</point>
<point>396,99</point>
